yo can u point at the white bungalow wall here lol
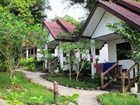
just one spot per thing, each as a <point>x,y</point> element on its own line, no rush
<point>103,54</point>
<point>108,53</point>
<point>50,37</point>
<point>102,28</point>
<point>112,52</point>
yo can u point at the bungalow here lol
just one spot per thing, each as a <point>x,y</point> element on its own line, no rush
<point>116,49</point>
<point>56,28</point>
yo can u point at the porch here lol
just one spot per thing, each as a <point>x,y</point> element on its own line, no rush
<point>117,71</point>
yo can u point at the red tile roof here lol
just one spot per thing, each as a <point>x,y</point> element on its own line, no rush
<point>126,10</point>
<point>66,25</point>
<point>59,26</point>
<point>123,13</point>
<point>132,3</point>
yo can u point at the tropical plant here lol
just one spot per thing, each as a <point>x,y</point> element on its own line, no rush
<point>132,36</point>
<point>14,33</point>
<point>66,100</point>
<point>31,11</point>
<point>82,47</point>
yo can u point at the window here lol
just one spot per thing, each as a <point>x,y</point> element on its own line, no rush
<point>123,51</point>
<point>97,52</point>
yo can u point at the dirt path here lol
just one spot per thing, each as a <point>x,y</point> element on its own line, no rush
<point>86,97</point>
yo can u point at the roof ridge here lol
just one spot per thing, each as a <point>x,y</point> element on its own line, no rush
<point>64,25</point>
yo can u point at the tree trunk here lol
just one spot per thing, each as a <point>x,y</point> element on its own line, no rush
<point>70,75</point>
<point>10,67</point>
<point>71,65</point>
<point>80,68</point>
<point>77,76</point>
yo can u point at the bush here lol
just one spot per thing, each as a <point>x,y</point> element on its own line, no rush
<point>86,70</point>
<point>39,65</point>
<point>31,64</point>
<point>118,99</point>
<point>26,61</point>
<point>3,67</point>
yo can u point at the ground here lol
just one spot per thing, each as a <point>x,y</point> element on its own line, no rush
<point>87,97</point>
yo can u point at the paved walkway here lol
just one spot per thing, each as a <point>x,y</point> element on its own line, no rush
<point>86,97</point>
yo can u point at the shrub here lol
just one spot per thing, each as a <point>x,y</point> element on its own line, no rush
<point>32,64</point>
<point>39,65</point>
<point>29,63</point>
<point>3,66</point>
<point>86,69</point>
<point>118,99</point>
<point>26,61</point>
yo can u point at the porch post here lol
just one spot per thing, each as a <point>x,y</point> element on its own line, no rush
<point>46,61</point>
<point>27,52</point>
<point>93,59</point>
<point>61,58</point>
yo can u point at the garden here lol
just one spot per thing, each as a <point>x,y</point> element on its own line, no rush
<point>20,30</point>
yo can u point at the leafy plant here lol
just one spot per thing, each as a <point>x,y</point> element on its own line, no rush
<point>14,98</point>
<point>66,100</point>
<point>131,35</point>
<point>118,99</point>
<point>26,61</point>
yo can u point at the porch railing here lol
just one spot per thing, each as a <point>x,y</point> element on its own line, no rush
<point>128,77</point>
<point>52,64</point>
<point>109,75</point>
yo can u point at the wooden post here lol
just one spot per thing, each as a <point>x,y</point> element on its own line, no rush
<point>34,55</point>
<point>123,82</point>
<point>55,86</point>
<point>102,80</point>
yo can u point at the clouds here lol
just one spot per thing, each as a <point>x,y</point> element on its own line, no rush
<point>60,8</point>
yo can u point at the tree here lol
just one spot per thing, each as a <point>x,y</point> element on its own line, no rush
<point>14,33</point>
<point>37,10</point>
<point>89,3</point>
<point>28,10</point>
<point>132,36</point>
<point>82,47</point>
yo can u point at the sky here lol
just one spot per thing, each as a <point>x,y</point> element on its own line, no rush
<point>60,8</point>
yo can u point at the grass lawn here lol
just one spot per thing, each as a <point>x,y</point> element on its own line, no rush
<point>23,91</point>
<point>118,99</point>
<point>64,80</point>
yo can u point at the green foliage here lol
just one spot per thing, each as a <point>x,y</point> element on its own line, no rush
<point>66,100</point>
<point>71,20</point>
<point>129,34</point>
<point>23,92</point>
<point>82,46</point>
<point>118,99</point>
<point>28,10</point>
<point>14,98</point>
<point>31,64</point>
<point>85,83</point>
<point>26,93</point>
<point>3,66</point>
<point>26,61</point>
<point>89,3</point>
<point>14,35</point>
